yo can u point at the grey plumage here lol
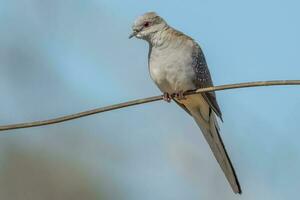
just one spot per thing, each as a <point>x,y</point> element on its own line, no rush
<point>177,64</point>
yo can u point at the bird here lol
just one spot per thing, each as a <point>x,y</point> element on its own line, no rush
<point>177,65</point>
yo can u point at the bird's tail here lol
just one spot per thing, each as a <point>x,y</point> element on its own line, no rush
<point>210,130</point>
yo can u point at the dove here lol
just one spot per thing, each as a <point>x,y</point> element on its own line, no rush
<point>177,65</point>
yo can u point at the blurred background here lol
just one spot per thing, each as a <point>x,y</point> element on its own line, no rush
<point>61,57</point>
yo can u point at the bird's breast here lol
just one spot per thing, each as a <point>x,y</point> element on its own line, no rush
<point>171,69</point>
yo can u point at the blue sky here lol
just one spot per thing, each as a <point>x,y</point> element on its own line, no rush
<point>63,57</point>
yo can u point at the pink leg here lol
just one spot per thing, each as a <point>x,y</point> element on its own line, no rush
<point>179,95</point>
<point>167,97</point>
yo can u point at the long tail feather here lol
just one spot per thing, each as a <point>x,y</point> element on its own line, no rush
<point>211,133</point>
<point>205,118</point>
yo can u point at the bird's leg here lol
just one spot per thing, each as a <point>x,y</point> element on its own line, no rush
<point>167,97</point>
<point>179,95</point>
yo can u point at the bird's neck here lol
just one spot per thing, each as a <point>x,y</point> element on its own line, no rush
<point>160,37</point>
<point>164,37</point>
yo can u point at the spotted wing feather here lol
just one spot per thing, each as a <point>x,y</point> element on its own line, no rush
<point>203,79</point>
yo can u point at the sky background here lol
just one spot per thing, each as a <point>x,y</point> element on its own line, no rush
<point>61,57</point>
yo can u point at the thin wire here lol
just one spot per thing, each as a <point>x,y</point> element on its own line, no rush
<point>142,101</point>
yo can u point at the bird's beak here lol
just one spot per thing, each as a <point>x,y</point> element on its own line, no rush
<point>133,34</point>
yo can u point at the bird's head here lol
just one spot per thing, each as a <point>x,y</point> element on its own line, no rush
<point>147,25</point>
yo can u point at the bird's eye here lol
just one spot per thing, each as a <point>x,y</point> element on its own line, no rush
<point>146,24</point>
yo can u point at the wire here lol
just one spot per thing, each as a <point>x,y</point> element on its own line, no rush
<point>142,101</point>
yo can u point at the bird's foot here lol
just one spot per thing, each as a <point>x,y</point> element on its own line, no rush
<point>167,97</point>
<point>179,95</point>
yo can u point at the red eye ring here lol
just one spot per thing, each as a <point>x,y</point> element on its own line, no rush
<point>146,24</point>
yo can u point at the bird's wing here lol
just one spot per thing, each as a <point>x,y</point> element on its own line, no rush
<point>203,79</point>
<point>203,108</point>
